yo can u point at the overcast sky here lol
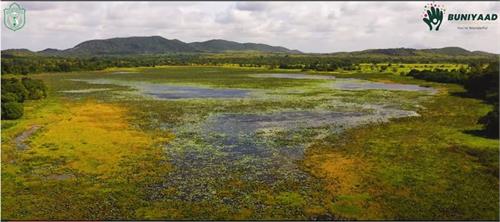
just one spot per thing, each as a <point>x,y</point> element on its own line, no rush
<point>306,26</point>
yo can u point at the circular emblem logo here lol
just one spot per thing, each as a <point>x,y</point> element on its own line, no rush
<point>14,17</point>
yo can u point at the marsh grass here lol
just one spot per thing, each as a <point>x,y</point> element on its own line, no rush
<point>419,167</point>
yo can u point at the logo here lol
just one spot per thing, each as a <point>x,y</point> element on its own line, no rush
<point>14,17</point>
<point>472,17</point>
<point>433,15</point>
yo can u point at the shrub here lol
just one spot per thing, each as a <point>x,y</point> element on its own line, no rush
<point>36,88</point>
<point>439,75</point>
<point>484,85</point>
<point>481,83</point>
<point>15,86</point>
<point>15,91</point>
<point>12,110</point>
<point>10,97</point>
<point>490,122</point>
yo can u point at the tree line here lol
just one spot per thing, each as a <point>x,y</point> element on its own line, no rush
<point>15,64</point>
<point>482,83</point>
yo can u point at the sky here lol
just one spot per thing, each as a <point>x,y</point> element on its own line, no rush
<point>318,27</point>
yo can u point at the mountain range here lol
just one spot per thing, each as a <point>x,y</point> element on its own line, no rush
<point>160,45</point>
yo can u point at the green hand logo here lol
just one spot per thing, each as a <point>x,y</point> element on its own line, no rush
<point>433,18</point>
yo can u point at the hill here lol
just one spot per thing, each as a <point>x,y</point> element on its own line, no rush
<point>452,51</point>
<point>219,45</point>
<point>125,46</point>
<point>18,53</point>
<point>446,51</point>
<point>159,45</point>
<point>155,45</point>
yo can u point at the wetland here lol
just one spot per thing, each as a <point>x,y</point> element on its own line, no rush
<point>203,142</point>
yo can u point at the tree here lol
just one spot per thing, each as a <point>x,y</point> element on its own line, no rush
<point>490,122</point>
<point>12,110</point>
<point>484,85</point>
<point>10,97</point>
<point>15,86</point>
<point>36,88</point>
<point>15,91</point>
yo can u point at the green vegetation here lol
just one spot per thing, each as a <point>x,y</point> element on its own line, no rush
<point>490,122</point>
<point>157,51</point>
<point>485,86</point>
<point>13,63</point>
<point>67,157</point>
<point>482,84</point>
<point>36,89</point>
<point>12,110</point>
<point>15,92</point>
<point>417,167</point>
<point>442,76</point>
<point>69,160</point>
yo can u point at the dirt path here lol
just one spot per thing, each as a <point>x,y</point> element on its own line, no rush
<point>21,138</point>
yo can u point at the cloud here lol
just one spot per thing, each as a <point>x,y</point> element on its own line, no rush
<point>37,6</point>
<point>307,26</point>
<point>251,6</point>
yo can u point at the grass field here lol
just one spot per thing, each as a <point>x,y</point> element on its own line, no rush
<point>248,143</point>
<point>397,68</point>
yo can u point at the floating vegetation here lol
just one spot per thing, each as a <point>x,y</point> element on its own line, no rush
<point>118,73</point>
<point>349,83</point>
<point>292,76</point>
<point>212,143</point>
<point>165,91</point>
<point>357,84</point>
<point>257,149</point>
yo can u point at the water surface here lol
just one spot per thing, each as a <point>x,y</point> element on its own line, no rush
<point>170,91</point>
<point>86,90</point>
<point>292,76</point>
<point>259,150</point>
<point>349,83</point>
<point>357,84</point>
<point>256,148</point>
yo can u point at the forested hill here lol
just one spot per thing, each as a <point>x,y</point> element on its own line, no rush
<point>219,45</point>
<point>446,51</point>
<point>159,45</point>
